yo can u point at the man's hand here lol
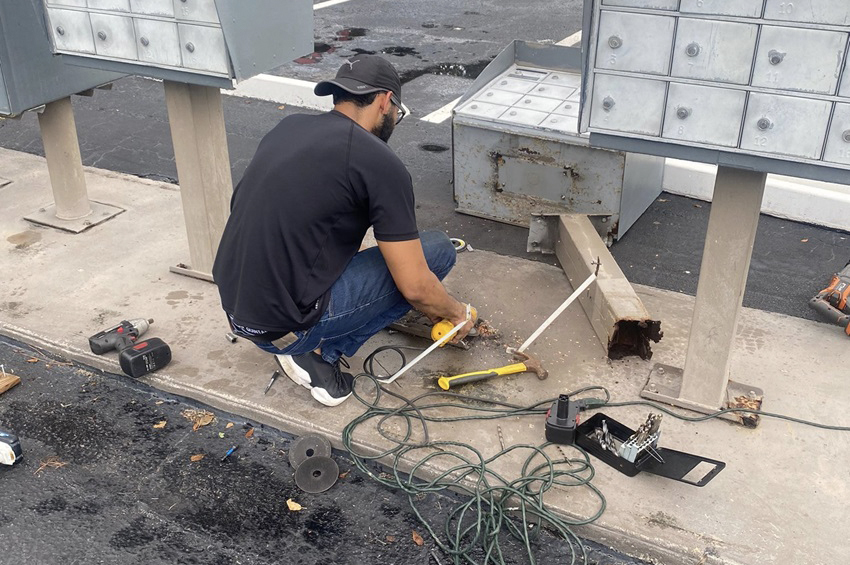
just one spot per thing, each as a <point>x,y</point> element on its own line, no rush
<point>420,286</point>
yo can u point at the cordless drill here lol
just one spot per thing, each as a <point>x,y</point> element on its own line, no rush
<point>136,357</point>
<point>833,302</point>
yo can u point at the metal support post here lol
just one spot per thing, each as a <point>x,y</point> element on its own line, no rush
<point>704,384</point>
<point>203,167</point>
<point>71,210</point>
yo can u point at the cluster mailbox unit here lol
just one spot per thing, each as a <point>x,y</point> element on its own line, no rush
<point>754,86</point>
<point>196,47</point>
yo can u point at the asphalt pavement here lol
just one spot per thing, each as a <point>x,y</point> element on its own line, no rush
<point>108,477</point>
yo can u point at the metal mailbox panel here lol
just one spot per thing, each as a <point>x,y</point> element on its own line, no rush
<point>196,10</point>
<point>817,11</point>
<point>5,106</point>
<point>627,104</point>
<point>745,8</point>
<point>539,103</point>
<point>71,30</point>
<point>785,125</point>
<point>483,110</point>
<point>714,50</point>
<point>568,108</point>
<point>785,57</point>
<point>158,42</point>
<point>657,4</point>
<point>494,96</point>
<point>635,42</point>
<point>838,140</point>
<point>514,85</point>
<point>693,111</point>
<point>203,48</point>
<point>565,124</point>
<point>114,5</point>
<point>564,79</point>
<point>524,117</point>
<point>114,36</point>
<point>153,7</point>
<point>844,90</point>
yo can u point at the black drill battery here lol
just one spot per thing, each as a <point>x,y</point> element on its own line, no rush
<point>10,449</point>
<point>144,357</point>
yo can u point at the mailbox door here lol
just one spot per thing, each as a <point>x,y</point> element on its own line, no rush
<point>635,42</point>
<point>483,110</point>
<point>785,125</point>
<point>113,5</point>
<point>203,48</point>
<point>692,114</point>
<point>805,60</point>
<point>514,85</point>
<point>568,108</point>
<point>76,3</point>
<point>158,42</point>
<point>627,104</point>
<point>744,8</point>
<point>5,106</point>
<point>838,141</point>
<point>72,30</point>
<point>540,103</point>
<point>553,91</point>
<point>816,11</point>
<point>163,8</point>
<point>114,36</point>
<point>658,4</point>
<point>714,50</point>
<point>523,117</point>
<point>196,10</point>
<point>495,96</point>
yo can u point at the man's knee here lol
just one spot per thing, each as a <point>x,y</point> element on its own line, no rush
<point>439,252</point>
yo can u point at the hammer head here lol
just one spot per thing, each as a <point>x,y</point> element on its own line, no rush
<point>531,363</point>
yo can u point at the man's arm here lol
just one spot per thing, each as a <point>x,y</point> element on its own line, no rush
<point>420,286</point>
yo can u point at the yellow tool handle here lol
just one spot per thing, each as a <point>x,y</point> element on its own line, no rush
<point>447,382</point>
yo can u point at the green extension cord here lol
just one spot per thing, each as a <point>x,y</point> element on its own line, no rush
<point>495,504</point>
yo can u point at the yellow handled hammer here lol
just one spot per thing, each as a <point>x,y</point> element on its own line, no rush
<point>527,363</point>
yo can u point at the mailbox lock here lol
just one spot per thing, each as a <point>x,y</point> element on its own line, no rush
<point>683,112</point>
<point>693,49</point>
<point>102,35</point>
<point>144,41</point>
<point>615,42</point>
<point>190,47</point>
<point>846,136</point>
<point>764,124</point>
<point>607,103</point>
<point>60,30</point>
<point>775,57</point>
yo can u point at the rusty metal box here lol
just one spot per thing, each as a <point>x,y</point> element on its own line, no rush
<point>517,150</point>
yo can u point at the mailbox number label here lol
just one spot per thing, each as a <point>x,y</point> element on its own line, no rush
<point>786,8</point>
<point>761,140</point>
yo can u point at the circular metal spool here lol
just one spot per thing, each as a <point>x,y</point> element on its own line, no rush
<point>307,447</point>
<point>317,474</point>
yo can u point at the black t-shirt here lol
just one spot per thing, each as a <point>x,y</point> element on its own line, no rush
<point>299,214</point>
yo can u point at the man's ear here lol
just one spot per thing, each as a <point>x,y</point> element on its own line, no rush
<point>386,101</point>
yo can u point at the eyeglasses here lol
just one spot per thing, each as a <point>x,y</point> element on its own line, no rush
<point>402,109</point>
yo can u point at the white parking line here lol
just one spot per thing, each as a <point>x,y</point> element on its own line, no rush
<point>441,115</point>
<point>328,4</point>
<point>571,40</point>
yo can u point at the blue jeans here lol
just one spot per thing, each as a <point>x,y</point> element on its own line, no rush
<point>365,300</point>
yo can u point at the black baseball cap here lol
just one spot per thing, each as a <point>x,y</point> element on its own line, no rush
<point>364,74</point>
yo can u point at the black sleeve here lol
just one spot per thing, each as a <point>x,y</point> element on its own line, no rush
<point>389,190</point>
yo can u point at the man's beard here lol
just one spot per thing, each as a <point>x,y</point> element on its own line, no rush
<point>384,129</point>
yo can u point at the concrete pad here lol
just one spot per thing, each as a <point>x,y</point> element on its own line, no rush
<point>781,499</point>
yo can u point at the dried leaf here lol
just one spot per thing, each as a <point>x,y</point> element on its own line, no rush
<point>159,425</point>
<point>391,539</point>
<point>229,425</point>
<point>51,462</point>
<point>417,539</point>
<point>281,107</point>
<point>343,475</point>
<point>221,435</point>
<point>32,360</point>
<point>158,402</point>
<point>196,458</point>
<point>249,433</point>
<point>199,418</point>
<point>805,240</point>
<point>293,506</point>
<point>697,205</point>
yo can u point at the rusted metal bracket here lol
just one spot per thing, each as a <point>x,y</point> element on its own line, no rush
<point>617,315</point>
